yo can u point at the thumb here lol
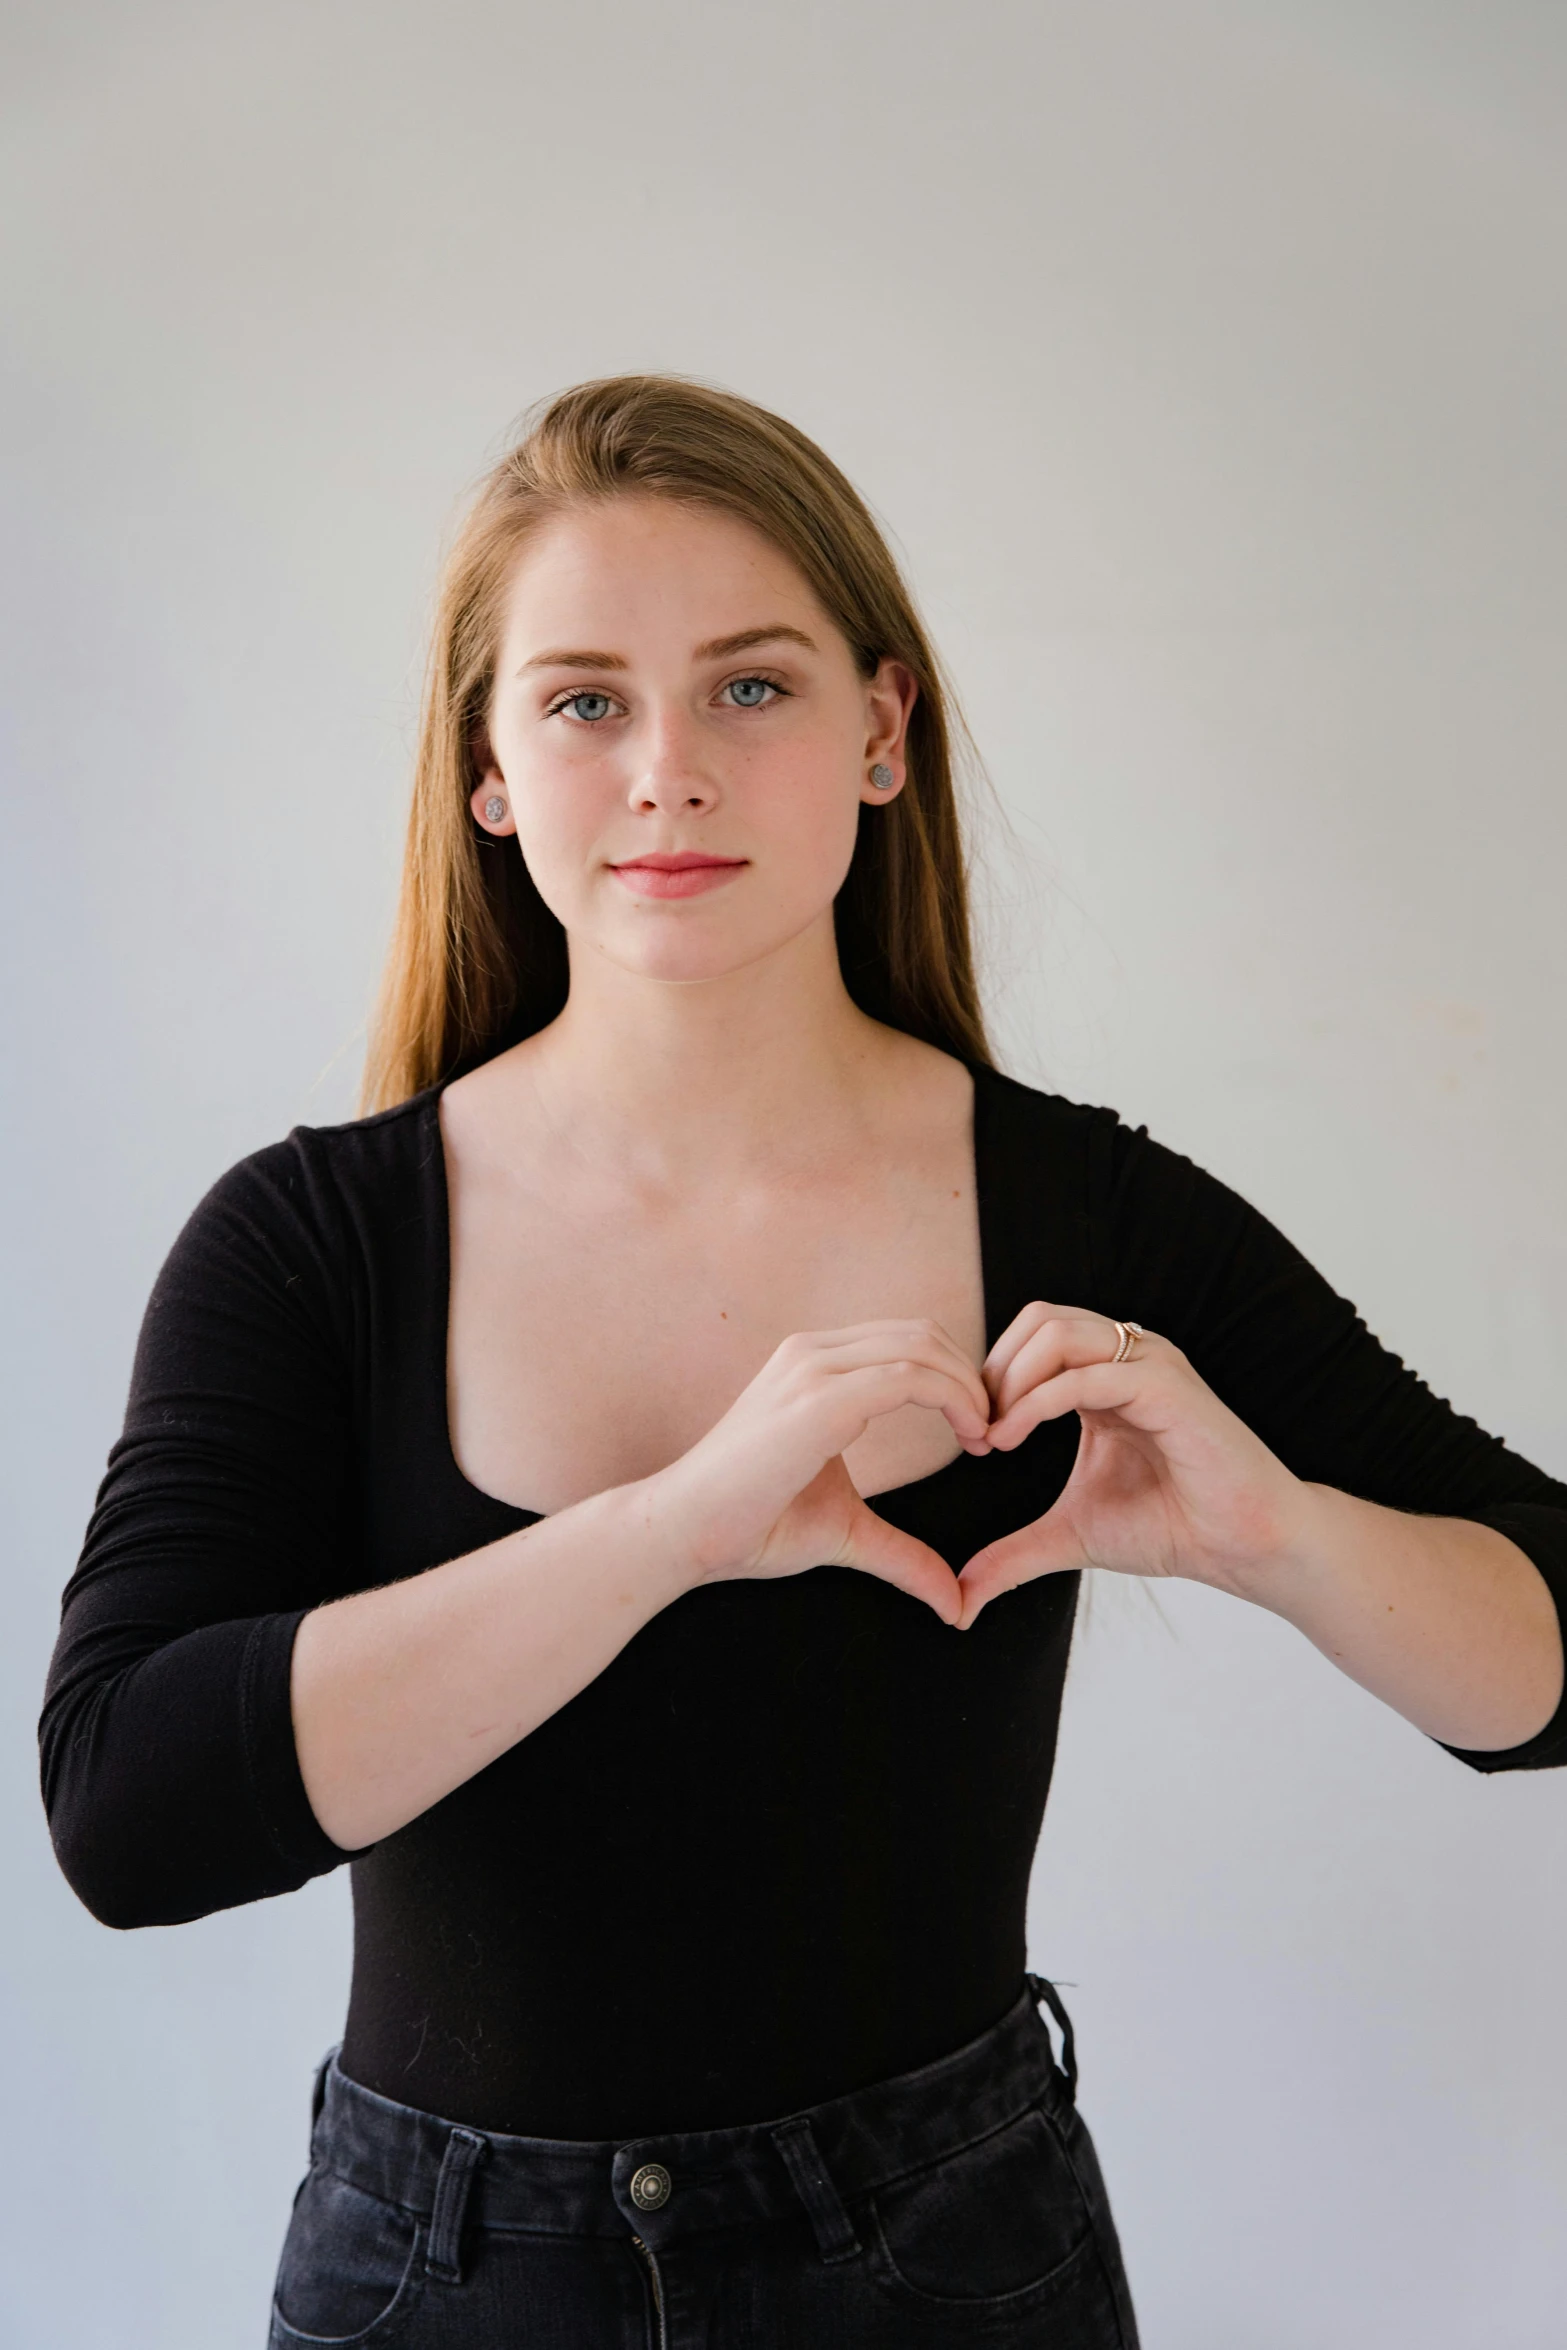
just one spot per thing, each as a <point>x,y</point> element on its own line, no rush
<point>1048,1547</point>
<point>879,1549</point>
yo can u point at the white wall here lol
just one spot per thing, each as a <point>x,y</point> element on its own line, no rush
<point>1209,361</point>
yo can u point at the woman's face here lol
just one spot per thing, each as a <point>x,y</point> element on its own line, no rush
<point>681,738</point>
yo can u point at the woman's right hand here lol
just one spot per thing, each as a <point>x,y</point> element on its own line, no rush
<point>402,1692</point>
<point>765,1492</point>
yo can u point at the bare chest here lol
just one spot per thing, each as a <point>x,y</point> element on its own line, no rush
<point>593,1339</point>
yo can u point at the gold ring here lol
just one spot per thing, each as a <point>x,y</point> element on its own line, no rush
<point>1130,1333</point>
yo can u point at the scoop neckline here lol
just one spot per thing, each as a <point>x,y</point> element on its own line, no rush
<point>440,1320</point>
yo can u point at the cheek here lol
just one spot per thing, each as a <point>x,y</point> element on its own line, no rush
<point>808,815</point>
<point>561,808</point>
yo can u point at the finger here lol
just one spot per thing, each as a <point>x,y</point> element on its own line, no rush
<point>929,1340</point>
<point>870,1389</point>
<point>1137,1388</point>
<point>888,1326</point>
<point>1064,1340</point>
<point>897,1558</point>
<point>1048,1547</point>
<point>1018,1331</point>
<point>904,1349</point>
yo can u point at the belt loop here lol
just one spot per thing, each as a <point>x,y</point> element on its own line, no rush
<point>802,2159</point>
<point>465,2150</point>
<point>1043,1989</point>
<point>318,2092</point>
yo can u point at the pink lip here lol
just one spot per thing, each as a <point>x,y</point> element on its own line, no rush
<point>684,875</point>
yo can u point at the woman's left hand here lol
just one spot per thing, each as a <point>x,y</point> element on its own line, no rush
<point>1167,1480</point>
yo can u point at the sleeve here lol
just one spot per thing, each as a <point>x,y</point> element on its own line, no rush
<point>227,1511</point>
<point>1177,1250</point>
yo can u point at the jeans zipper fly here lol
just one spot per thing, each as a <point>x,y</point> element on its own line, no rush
<point>656,2282</point>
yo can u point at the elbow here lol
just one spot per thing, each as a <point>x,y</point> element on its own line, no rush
<point>115,1906</point>
<point>101,1869</point>
<point>154,1829</point>
<point>130,1865</point>
<point>100,1854</point>
<point>125,1841</point>
<point>126,1866</point>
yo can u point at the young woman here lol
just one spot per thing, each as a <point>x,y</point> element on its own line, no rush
<point>627,1495</point>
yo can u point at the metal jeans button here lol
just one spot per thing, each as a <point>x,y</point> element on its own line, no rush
<point>651,2187</point>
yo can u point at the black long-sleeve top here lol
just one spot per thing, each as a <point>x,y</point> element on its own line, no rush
<point>780,1847</point>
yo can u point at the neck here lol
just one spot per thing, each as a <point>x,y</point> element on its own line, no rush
<point>771,1063</point>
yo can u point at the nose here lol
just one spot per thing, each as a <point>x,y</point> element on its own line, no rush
<point>671,775</point>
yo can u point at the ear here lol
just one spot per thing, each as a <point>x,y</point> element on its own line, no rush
<point>490,793</point>
<point>890,697</point>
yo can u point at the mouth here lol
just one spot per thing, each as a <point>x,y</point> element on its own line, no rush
<point>686,873</point>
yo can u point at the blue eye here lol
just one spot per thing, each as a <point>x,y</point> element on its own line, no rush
<point>588,707</point>
<point>749,693</point>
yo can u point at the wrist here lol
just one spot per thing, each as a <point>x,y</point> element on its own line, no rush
<point>694,1515</point>
<point>1300,1539</point>
<point>645,1521</point>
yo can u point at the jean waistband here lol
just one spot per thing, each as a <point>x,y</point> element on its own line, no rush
<point>672,2184</point>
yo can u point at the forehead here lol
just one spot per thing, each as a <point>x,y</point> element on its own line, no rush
<point>641,568</point>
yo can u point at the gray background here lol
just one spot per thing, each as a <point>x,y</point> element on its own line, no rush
<point>1208,361</point>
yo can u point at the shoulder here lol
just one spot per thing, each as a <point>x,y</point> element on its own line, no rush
<point>1108,1153</point>
<point>1029,1111</point>
<point>1078,1150</point>
<point>313,1165</point>
<point>1152,1228</point>
<point>295,1216</point>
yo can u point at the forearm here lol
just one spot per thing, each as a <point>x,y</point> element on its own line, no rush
<point>1447,1621</point>
<point>402,1693</point>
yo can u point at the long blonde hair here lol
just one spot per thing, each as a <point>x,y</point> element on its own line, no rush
<point>477,959</point>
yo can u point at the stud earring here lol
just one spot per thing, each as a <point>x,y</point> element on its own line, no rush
<point>883,778</point>
<point>494,810</point>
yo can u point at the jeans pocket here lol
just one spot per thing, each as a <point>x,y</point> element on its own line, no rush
<point>997,2220</point>
<point>351,2270</point>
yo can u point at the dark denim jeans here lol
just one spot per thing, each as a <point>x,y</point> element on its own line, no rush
<point>958,2204</point>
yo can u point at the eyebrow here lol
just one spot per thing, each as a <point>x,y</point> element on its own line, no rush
<point>778,633</point>
<point>571,660</point>
<point>716,649</point>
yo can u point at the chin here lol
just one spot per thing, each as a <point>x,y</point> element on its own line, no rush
<point>692,969</point>
<point>677,951</point>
